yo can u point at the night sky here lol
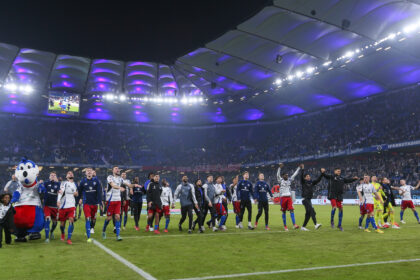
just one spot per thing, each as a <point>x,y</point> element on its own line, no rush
<point>154,30</point>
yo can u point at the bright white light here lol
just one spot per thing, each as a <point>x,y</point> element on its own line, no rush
<point>184,100</point>
<point>27,89</point>
<point>290,77</point>
<point>278,81</point>
<point>327,63</point>
<point>391,36</point>
<point>349,54</point>
<point>310,70</point>
<point>201,99</point>
<point>11,87</point>
<point>299,74</point>
<point>410,28</point>
<point>123,97</point>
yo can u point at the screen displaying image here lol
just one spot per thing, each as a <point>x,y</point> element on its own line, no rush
<point>64,103</point>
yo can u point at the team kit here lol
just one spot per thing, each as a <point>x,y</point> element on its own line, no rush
<point>212,197</point>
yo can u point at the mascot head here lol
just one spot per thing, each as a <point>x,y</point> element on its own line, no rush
<point>26,172</point>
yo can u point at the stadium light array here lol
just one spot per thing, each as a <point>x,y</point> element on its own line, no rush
<point>349,55</point>
<point>16,88</point>
<point>186,100</point>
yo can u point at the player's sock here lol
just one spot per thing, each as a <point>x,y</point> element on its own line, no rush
<point>385,216</point>
<point>372,221</point>
<point>360,221</point>
<point>292,216</point>
<point>87,225</point>
<point>105,225</point>
<point>117,227</point>
<point>222,221</point>
<point>417,215</point>
<point>93,223</point>
<point>70,230</point>
<point>340,217</point>
<point>284,218</point>
<point>401,215</point>
<point>332,215</point>
<point>167,222</point>
<point>62,228</point>
<point>391,218</point>
<point>381,217</point>
<point>367,222</point>
<point>47,228</point>
<point>125,219</point>
<point>237,220</point>
<point>156,227</point>
<point>54,225</point>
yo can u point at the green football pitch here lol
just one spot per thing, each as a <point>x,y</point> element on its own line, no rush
<point>177,254</point>
<point>73,108</point>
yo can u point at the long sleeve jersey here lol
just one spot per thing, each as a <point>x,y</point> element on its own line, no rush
<point>113,194</point>
<point>262,190</point>
<point>166,196</point>
<point>66,195</point>
<point>154,190</point>
<point>233,191</point>
<point>244,190</point>
<point>91,191</point>
<point>285,185</point>
<point>27,196</point>
<point>336,185</point>
<point>50,190</point>
<point>219,193</point>
<point>308,185</point>
<point>138,193</point>
<point>209,192</point>
<point>186,194</point>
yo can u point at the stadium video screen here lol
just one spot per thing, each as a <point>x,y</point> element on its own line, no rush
<point>64,103</point>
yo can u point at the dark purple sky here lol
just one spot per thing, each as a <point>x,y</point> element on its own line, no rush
<point>149,30</point>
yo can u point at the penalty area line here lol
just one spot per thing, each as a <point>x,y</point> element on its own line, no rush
<point>298,269</point>
<point>136,269</point>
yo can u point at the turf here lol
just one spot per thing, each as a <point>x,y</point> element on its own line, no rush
<point>73,108</point>
<point>179,255</point>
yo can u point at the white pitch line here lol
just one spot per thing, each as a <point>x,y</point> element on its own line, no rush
<point>136,269</point>
<point>297,269</point>
<point>203,235</point>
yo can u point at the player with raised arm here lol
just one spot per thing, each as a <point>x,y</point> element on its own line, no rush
<point>286,202</point>
<point>154,202</point>
<point>245,192</point>
<point>50,195</point>
<point>368,192</point>
<point>307,194</point>
<point>167,201</point>
<point>66,204</point>
<point>262,191</point>
<point>336,184</point>
<point>90,190</point>
<point>407,202</point>
<point>389,204</point>
<point>362,204</point>
<point>186,194</point>
<point>113,201</point>
<point>137,193</point>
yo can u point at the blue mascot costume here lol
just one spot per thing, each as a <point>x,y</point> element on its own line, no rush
<point>29,217</point>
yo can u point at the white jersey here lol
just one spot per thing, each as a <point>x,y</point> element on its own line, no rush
<point>66,195</point>
<point>114,194</point>
<point>166,196</point>
<point>407,192</point>
<point>368,192</point>
<point>28,196</point>
<point>233,189</point>
<point>285,185</point>
<point>218,198</point>
<point>126,184</point>
<point>359,188</point>
<point>3,210</point>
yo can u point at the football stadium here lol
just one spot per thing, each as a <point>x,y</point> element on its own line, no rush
<point>216,139</point>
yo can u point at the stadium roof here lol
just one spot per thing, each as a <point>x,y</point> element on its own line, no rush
<point>254,72</point>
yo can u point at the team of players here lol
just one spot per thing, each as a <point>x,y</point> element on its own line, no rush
<point>60,201</point>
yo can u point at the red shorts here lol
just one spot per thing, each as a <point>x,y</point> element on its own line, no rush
<point>114,208</point>
<point>155,210</point>
<point>90,210</point>
<point>51,212</point>
<point>125,206</point>
<point>166,210</point>
<point>369,208</point>
<point>363,209</point>
<point>237,207</point>
<point>407,204</point>
<point>286,203</point>
<point>336,203</point>
<point>220,209</point>
<point>66,213</point>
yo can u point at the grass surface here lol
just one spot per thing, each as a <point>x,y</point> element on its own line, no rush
<point>179,255</point>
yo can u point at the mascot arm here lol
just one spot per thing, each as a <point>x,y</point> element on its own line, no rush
<point>16,196</point>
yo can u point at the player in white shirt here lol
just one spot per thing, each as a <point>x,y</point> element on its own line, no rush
<point>368,192</point>
<point>236,204</point>
<point>286,202</point>
<point>113,201</point>
<point>362,206</point>
<point>167,200</point>
<point>405,192</point>
<point>66,203</point>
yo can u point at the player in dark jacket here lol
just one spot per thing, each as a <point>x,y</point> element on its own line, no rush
<point>6,218</point>
<point>199,196</point>
<point>154,203</point>
<point>336,184</point>
<point>307,194</point>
